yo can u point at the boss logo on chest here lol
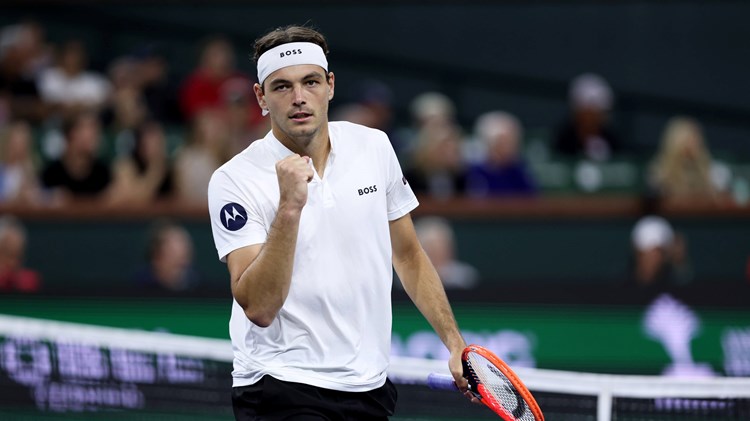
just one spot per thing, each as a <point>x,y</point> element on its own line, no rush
<point>290,53</point>
<point>367,190</point>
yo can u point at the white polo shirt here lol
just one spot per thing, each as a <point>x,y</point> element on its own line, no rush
<point>334,328</point>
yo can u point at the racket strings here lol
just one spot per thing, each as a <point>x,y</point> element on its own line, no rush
<point>500,387</point>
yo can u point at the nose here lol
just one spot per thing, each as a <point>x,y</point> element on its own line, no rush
<point>298,99</point>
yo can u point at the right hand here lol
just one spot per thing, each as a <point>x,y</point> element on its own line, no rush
<point>293,173</point>
<point>457,370</point>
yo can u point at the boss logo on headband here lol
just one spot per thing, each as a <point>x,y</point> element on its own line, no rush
<point>290,53</point>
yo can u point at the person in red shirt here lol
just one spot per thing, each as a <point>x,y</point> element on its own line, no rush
<point>205,87</point>
<point>13,276</point>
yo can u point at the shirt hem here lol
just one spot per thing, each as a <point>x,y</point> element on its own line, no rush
<point>312,381</point>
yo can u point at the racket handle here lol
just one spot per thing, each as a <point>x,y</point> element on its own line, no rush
<point>441,381</point>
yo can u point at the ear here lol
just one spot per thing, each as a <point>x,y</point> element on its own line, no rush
<point>260,96</point>
<point>331,85</point>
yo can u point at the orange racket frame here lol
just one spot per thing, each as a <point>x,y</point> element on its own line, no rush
<point>487,398</point>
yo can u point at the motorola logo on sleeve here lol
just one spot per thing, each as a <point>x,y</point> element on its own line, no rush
<point>233,216</point>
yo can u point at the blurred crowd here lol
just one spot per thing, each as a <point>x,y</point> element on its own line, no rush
<point>132,135</point>
<point>129,134</point>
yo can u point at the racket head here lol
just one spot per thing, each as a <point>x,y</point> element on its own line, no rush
<point>498,386</point>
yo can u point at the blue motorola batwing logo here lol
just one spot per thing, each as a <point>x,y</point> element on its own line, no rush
<point>233,216</point>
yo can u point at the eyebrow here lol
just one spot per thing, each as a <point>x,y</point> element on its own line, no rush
<point>311,75</point>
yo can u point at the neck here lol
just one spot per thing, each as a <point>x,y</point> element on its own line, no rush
<point>317,146</point>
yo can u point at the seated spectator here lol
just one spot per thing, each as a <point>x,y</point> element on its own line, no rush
<point>587,132</point>
<point>437,168</point>
<point>18,174</point>
<point>377,98</point>
<point>426,109</point>
<point>436,236</point>
<point>78,173</point>
<point>241,112</point>
<point>503,171</point>
<point>69,87</point>
<point>660,254</point>
<point>127,109</point>
<point>23,55</point>
<point>146,174</point>
<point>205,151</point>
<point>683,169</point>
<point>354,113</point>
<point>203,88</point>
<point>158,92</point>
<point>170,260</point>
<point>13,276</point>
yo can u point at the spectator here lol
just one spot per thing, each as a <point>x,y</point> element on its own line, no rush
<point>426,109</point>
<point>158,93</point>
<point>436,236</point>
<point>431,107</point>
<point>23,55</point>
<point>13,276</point>
<point>18,174</point>
<point>127,110</point>
<point>206,150</point>
<point>683,169</point>
<point>170,260</point>
<point>503,171</point>
<point>438,167</point>
<point>660,254</point>
<point>376,98</point>
<point>69,87</point>
<point>354,113</point>
<point>146,174</point>
<point>241,114</point>
<point>79,173</point>
<point>203,88</point>
<point>587,132</point>
<point>372,107</point>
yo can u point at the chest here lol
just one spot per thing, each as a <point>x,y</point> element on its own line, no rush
<point>350,194</point>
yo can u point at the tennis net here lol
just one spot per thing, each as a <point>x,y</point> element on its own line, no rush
<point>59,370</point>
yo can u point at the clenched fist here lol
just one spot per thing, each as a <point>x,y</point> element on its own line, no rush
<point>293,173</point>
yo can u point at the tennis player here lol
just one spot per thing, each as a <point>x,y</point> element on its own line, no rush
<point>310,221</point>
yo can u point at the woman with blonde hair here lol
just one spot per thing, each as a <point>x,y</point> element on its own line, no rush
<point>145,175</point>
<point>683,167</point>
<point>18,179</point>
<point>206,150</point>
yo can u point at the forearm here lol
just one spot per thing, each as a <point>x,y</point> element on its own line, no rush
<point>423,285</point>
<point>262,288</point>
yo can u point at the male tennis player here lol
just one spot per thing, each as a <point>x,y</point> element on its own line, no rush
<point>310,221</point>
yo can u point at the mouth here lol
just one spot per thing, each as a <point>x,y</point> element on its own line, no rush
<point>300,116</point>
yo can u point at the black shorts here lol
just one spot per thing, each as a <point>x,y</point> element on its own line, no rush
<point>271,399</point>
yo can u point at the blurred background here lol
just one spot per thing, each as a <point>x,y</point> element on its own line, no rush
<point>583,168</point>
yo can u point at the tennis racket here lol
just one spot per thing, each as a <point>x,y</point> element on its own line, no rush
<point>494,384</point>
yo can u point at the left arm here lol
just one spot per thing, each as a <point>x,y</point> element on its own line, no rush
<point>423,285</point>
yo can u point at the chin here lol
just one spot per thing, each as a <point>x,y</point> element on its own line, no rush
<point>303,131</point>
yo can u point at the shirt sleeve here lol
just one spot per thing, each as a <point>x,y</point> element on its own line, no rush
<point>399,195</point>
<point>235,219</point>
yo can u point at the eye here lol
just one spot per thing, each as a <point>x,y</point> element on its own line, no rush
<point>312,83</point>
<point>281,87</point>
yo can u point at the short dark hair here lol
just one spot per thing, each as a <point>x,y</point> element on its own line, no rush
<point>287,34</point>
